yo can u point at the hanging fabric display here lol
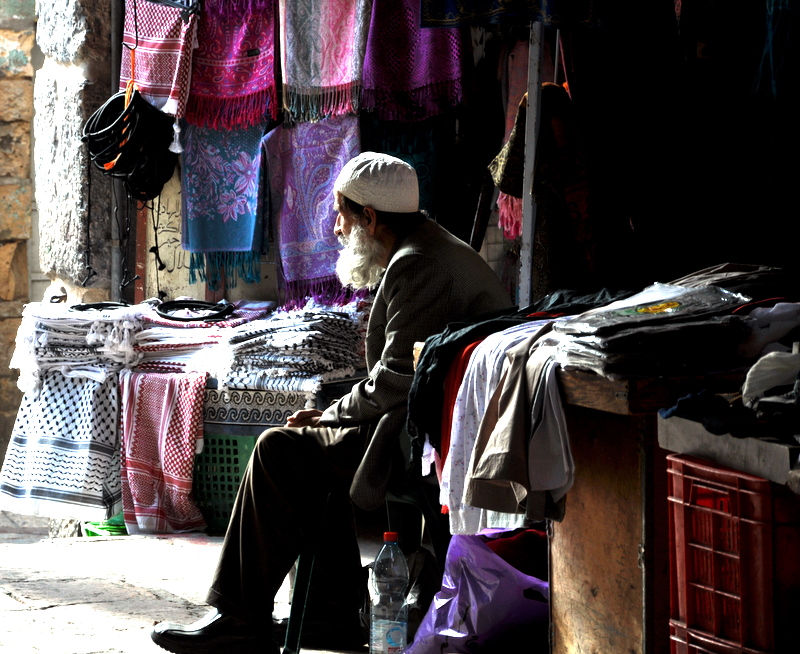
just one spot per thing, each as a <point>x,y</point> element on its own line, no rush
<point>507,170</point>
<point>222,222</point>
<point>322,55</point>
<point>162,420</point>
<point>553,13</point>
<point>64,458</point>
<point>303,163</point>
<point>410,73</point>
<point>233,68</point>
<point>163,38</point>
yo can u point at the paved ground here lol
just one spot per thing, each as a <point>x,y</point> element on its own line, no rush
<point>102,595</point>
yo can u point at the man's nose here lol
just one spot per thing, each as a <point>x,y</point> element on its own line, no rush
<point>337,226</point>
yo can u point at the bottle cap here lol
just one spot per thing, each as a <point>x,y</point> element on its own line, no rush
<point>389,536</point>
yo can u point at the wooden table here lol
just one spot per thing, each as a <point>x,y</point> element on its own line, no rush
<point>609,557</point>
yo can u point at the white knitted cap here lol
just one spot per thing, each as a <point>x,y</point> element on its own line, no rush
<point>380,181</point>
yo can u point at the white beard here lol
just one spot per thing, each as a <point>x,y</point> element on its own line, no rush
<point>359,262</point>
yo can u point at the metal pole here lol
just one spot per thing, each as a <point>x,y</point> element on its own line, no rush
<point>535,55</point>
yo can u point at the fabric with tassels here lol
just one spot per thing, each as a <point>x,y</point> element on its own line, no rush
<point>322,56</point>
<point>163,44</point>
<point>222,221</point>
<point>233,68</point>
<point>411,73</point>
<point>303,162</point>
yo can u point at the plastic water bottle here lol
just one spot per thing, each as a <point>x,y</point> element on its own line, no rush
<point>389,615</point>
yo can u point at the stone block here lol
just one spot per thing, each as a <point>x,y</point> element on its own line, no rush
<point>11,310</point>
<point>16,14</point>
<point>13,271</point>
<point>73,201</point>
<point>17,97</point>
<point>8,336</point>
<point>76,31</point>
<point>15,149</point>
<point>10,395</point>
<point>15,53</point>
<point>15,210</point>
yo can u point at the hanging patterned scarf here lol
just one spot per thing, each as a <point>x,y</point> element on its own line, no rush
<point>411,73</point>
<point>233,68</point>
<point>64,457</point>
<point>221,217</point>
<point>303,163</point>
<point>162,419</point>
<point>553,13</point>
<point>322,48</point>
<point>163,44</point>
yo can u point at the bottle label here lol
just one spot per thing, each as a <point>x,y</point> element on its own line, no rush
<point>387,637</point>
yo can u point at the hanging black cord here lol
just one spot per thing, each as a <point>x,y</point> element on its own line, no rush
<point>90,272</point>
<point>160,265</point>
<point>124,243</point>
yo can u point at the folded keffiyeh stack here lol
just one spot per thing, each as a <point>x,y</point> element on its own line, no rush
<point>78,343</point>
<point>294,351</point>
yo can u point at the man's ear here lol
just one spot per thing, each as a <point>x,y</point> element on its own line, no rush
<point>370,220</point>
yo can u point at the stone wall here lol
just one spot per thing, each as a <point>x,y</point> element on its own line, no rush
<point>73,198</point>
<point>17,43</point>
<point>54,73</point>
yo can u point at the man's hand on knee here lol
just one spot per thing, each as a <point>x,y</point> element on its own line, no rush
<point>304,418</point>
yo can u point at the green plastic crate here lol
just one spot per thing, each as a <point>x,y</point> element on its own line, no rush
<point>218,471</point>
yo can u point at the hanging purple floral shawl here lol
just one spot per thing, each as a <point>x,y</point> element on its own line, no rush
<point>410,73</point>
<point>222,224</point>
<point>233,68</point>
<point>303,162</point>
<point>322,52</point>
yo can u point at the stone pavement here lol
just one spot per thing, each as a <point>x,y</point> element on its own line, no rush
<point>102,595</point>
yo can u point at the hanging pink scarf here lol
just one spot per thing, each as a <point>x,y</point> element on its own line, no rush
<point>233,68</point>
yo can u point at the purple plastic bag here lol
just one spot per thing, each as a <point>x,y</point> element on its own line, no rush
<point>483,599</point>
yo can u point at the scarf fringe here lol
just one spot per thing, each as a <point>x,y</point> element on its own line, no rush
<point>210,266</point>
<point>232,113</point>
<point>509,211</point>
<point>312,104</point>
<point>414,104</point>
<point>325,290</point>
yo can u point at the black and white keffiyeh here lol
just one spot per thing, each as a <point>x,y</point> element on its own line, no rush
<point>64,456</point>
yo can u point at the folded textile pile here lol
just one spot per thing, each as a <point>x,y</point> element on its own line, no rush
<point>75,340</point>
<point>187,342</point>
<point>296,350</point>
<point>665,330</point>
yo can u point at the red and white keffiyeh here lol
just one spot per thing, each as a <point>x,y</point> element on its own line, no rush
<point>162,421</point>
<point>163,43</point>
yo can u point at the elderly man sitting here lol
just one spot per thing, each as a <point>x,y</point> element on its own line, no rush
<point>425,278</point>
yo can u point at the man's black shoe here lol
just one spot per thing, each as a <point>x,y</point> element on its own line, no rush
<point>215,633</point>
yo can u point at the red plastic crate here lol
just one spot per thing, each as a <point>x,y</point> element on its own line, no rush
<point>734,557</point>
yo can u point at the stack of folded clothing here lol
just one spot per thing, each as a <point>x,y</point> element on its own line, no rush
<point>78,341</point>
<point>666,330</point>
<point>296,350</point>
